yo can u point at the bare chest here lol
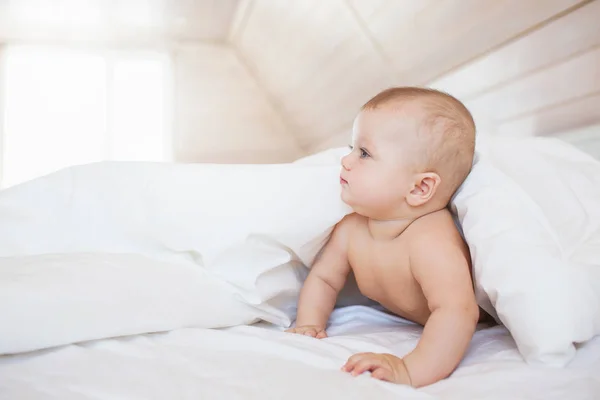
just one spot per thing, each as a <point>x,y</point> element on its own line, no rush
<point>383,274</point>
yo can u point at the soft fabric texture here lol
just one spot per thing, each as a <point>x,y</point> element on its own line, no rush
<point>52,300</point>
<point>246,231</point>
<point>522,276</point>
<point>564,182</point>
<point>259,362</point>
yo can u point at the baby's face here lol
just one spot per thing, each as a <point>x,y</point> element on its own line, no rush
<point>377,174</point>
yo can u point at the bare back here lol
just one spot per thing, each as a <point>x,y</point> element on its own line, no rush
<point>383,268</point>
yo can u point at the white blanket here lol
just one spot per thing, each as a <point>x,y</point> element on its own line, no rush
<point>254,363</point>
<point>182,245</point>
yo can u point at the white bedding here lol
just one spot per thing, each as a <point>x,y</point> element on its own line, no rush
<point>114,249</point>
<point>260,362</point>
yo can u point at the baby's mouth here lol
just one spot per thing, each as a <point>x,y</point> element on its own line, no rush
<point>343,181</point>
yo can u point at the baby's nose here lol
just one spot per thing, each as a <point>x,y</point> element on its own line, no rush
<point>346,162</point>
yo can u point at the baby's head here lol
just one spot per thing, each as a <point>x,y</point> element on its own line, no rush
<point>411,149</point>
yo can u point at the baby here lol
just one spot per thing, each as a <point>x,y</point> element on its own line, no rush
<point>411,149</point>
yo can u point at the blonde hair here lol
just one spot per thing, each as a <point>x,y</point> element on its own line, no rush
<point>447,131</point>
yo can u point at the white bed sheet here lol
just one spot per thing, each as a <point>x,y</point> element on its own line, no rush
<point>260,362</point>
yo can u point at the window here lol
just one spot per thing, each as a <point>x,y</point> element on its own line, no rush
<point>66,107</point>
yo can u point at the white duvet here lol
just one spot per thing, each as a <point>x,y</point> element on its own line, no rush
<point>111,275</point>
<point>126,248</point>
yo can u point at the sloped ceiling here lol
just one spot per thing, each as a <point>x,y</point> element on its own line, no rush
<point>509,60</point>
<point>523,67</point>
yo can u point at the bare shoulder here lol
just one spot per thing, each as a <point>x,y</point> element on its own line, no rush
<point>350,223</point>
<point>434,226</point>
<point>436,236</point>
<point>344,229</point>
<point>333,257</point>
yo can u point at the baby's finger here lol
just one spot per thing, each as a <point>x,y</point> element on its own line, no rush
<point>321,335</point>
<point>352,361</point>
<point>381,374</point>
<point>310,332</point>
<point>364,365</point>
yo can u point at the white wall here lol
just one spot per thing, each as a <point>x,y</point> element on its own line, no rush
<point>221,112</point>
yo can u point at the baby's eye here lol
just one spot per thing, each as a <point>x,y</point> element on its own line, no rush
<point>363,153</point>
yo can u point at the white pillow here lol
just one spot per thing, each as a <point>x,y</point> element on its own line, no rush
<point>521,275</point>
<point>53,300</point>
<point>564,182</point>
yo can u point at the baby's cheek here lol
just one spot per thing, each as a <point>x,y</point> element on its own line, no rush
<point>375,195</point>
<point>378,187</point>
<point>382,195</point>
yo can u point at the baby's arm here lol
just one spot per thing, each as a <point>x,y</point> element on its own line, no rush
<point>325,280</point>
<point>442,270</point>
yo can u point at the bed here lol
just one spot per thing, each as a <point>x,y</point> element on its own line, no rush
<point>261,362</point>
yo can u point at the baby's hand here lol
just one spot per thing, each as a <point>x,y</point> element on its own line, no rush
<point>309,330</point>
<point>385,367</point>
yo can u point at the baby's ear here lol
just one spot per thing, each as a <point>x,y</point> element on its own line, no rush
<point>424,187</point>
